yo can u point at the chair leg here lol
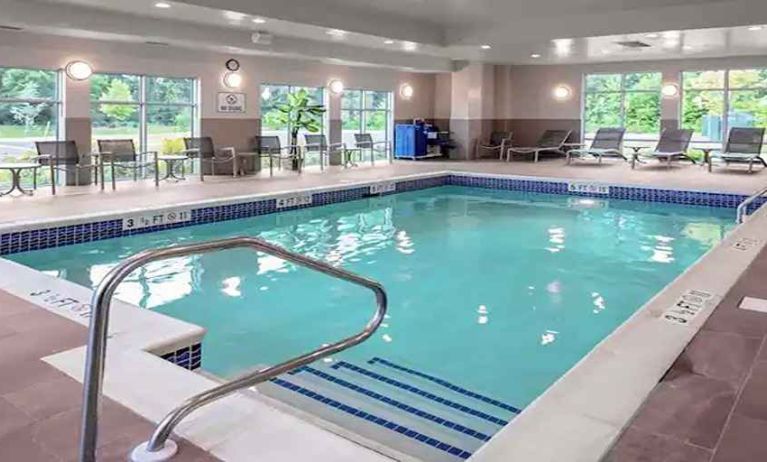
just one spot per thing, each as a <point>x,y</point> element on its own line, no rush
<point>709,164</point>
<point>112,166</point>
<point>53,180</point>
<point>536,157</point>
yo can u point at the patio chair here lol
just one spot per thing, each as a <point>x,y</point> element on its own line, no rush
<point>744,146</point>
<point>203,149</point>
<point>319,144</point>
<point>271,146</point>
<point>672,146</point>
<point>497,142</point>
<point>551,141</point>
<point>364,141</point>
<point>63,156</point>
<point>608,142</point>
<point>122,154</point>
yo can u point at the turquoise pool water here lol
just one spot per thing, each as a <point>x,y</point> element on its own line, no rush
<point>501,292</point>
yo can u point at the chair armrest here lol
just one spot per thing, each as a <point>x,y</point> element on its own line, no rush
<point>336,146</point>
<point>192,152</point>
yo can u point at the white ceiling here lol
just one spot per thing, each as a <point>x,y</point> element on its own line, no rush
<point>425,35</point>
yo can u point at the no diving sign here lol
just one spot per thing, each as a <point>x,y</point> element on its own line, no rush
<point>231,102</point>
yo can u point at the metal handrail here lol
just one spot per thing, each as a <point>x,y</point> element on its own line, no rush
<point>97,336</point>
<point>742,209</point>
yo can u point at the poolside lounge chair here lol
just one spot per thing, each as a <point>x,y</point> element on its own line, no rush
<point>364,141</point>
<point>608,142</point>
<point>210,157</point>
<point>498,142</point>
<point>63,156</point>
<point>672,146</point>
<point>744,146</point>
<point>319,144</point>
<point>271,147</point>
<point>551,141</point>
<point>122,154</point>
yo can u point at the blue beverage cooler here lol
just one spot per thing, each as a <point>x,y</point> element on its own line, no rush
<point>417,141</point>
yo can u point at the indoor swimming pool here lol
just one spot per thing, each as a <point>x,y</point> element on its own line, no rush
<point>493,295</point>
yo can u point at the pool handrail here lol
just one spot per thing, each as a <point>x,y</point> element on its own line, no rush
<point>742,210</point>
<point>97,337</point>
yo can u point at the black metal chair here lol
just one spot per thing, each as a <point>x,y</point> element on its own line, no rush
<point>209,156</point>
<point>608,142</point>
<point>364,141</point>
<point>672,146</point>
<point>744,146</point>
<point>552,141</point>
<point>498,141</point>
<point>63,156</point>
<point>271,147</point>
<point>318,144</point>
<point>121,154</point>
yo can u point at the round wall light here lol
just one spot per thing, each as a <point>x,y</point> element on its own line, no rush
<point>562,92</point>
<point>79,70</point>
<point>406,91</point>
<point>336,87</point>
<point>232,80</point>
<point>670,90</point>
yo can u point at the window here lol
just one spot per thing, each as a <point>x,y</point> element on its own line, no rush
<point>30,107</point>
<point>366,111</point>
<point>631,100</point>
<point>709,95</point>
<point>155,112</point>
<point>272,96</point>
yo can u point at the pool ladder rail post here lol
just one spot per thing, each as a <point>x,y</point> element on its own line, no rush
<point>160,447</point>
<point>742,210</point>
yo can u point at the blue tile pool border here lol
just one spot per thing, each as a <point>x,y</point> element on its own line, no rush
<point>189,357</point>
<point>58,236</point>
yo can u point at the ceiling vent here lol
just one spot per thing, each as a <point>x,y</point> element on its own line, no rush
<point>10,28</point>
<point>161,44</point>
<point>261,38</point>
<point>634,44</point>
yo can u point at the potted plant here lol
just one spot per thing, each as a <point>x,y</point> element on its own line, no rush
<point>299,112</point>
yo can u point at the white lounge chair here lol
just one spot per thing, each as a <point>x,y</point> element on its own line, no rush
<point>608,142</point>
<point>744,146</point>
<point>672,146</point>
<point>551,141</point>
<point>498,142</point>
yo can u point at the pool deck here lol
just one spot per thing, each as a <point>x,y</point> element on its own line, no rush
<point>40,406</point>
<point>710,406</point>
<point>89,199</point>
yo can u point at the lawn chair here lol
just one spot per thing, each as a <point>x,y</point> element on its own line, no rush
<point>551,141</point>
<point>122,154</point>
<point>364,141</point>
<point>498,142</point>
<point>271,147</point>
<point>608,142</point>
<point>204,149</point>
<point>63,156</point>
<point>319,144</point>
<point>672,146</point>
<point>744,146</point>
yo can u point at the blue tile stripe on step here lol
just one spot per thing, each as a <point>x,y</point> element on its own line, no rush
<point>399,405</point>
<point>447,385</point>
<point>393,426</point>
<point>418,391</point>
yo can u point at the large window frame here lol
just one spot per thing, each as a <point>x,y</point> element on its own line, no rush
<point>727,89</point>
<point>144,105</point>
<point>273,101</point>
<point>365,110</point>
<point>624,92</point>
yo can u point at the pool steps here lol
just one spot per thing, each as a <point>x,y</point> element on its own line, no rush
<point>398,407</point>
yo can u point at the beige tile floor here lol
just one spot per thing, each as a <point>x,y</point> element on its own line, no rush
<point>89,199</point>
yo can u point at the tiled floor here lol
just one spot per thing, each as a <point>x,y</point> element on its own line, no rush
<point>712,404</point>
<point>40,407</point>
<point>89,199</point>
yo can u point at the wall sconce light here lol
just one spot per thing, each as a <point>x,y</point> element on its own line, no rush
<point>232,80</point>
<point>562,92</point>
<point>406,91</point>
<point>670,90</point>
<point>78,70</point>
<point>336,87</point>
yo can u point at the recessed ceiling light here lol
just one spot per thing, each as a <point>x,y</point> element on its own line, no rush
<point>653,35</point>
<point>535,56</point>
<point>755,28</point>
<point>389,42</point>
<point>162,5</point>
<point>409,46</point>
<point>234,15</point>
<point>259,20</point>
<point>688,47</point>
<point>485,47</point>
<point>336,33</point>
